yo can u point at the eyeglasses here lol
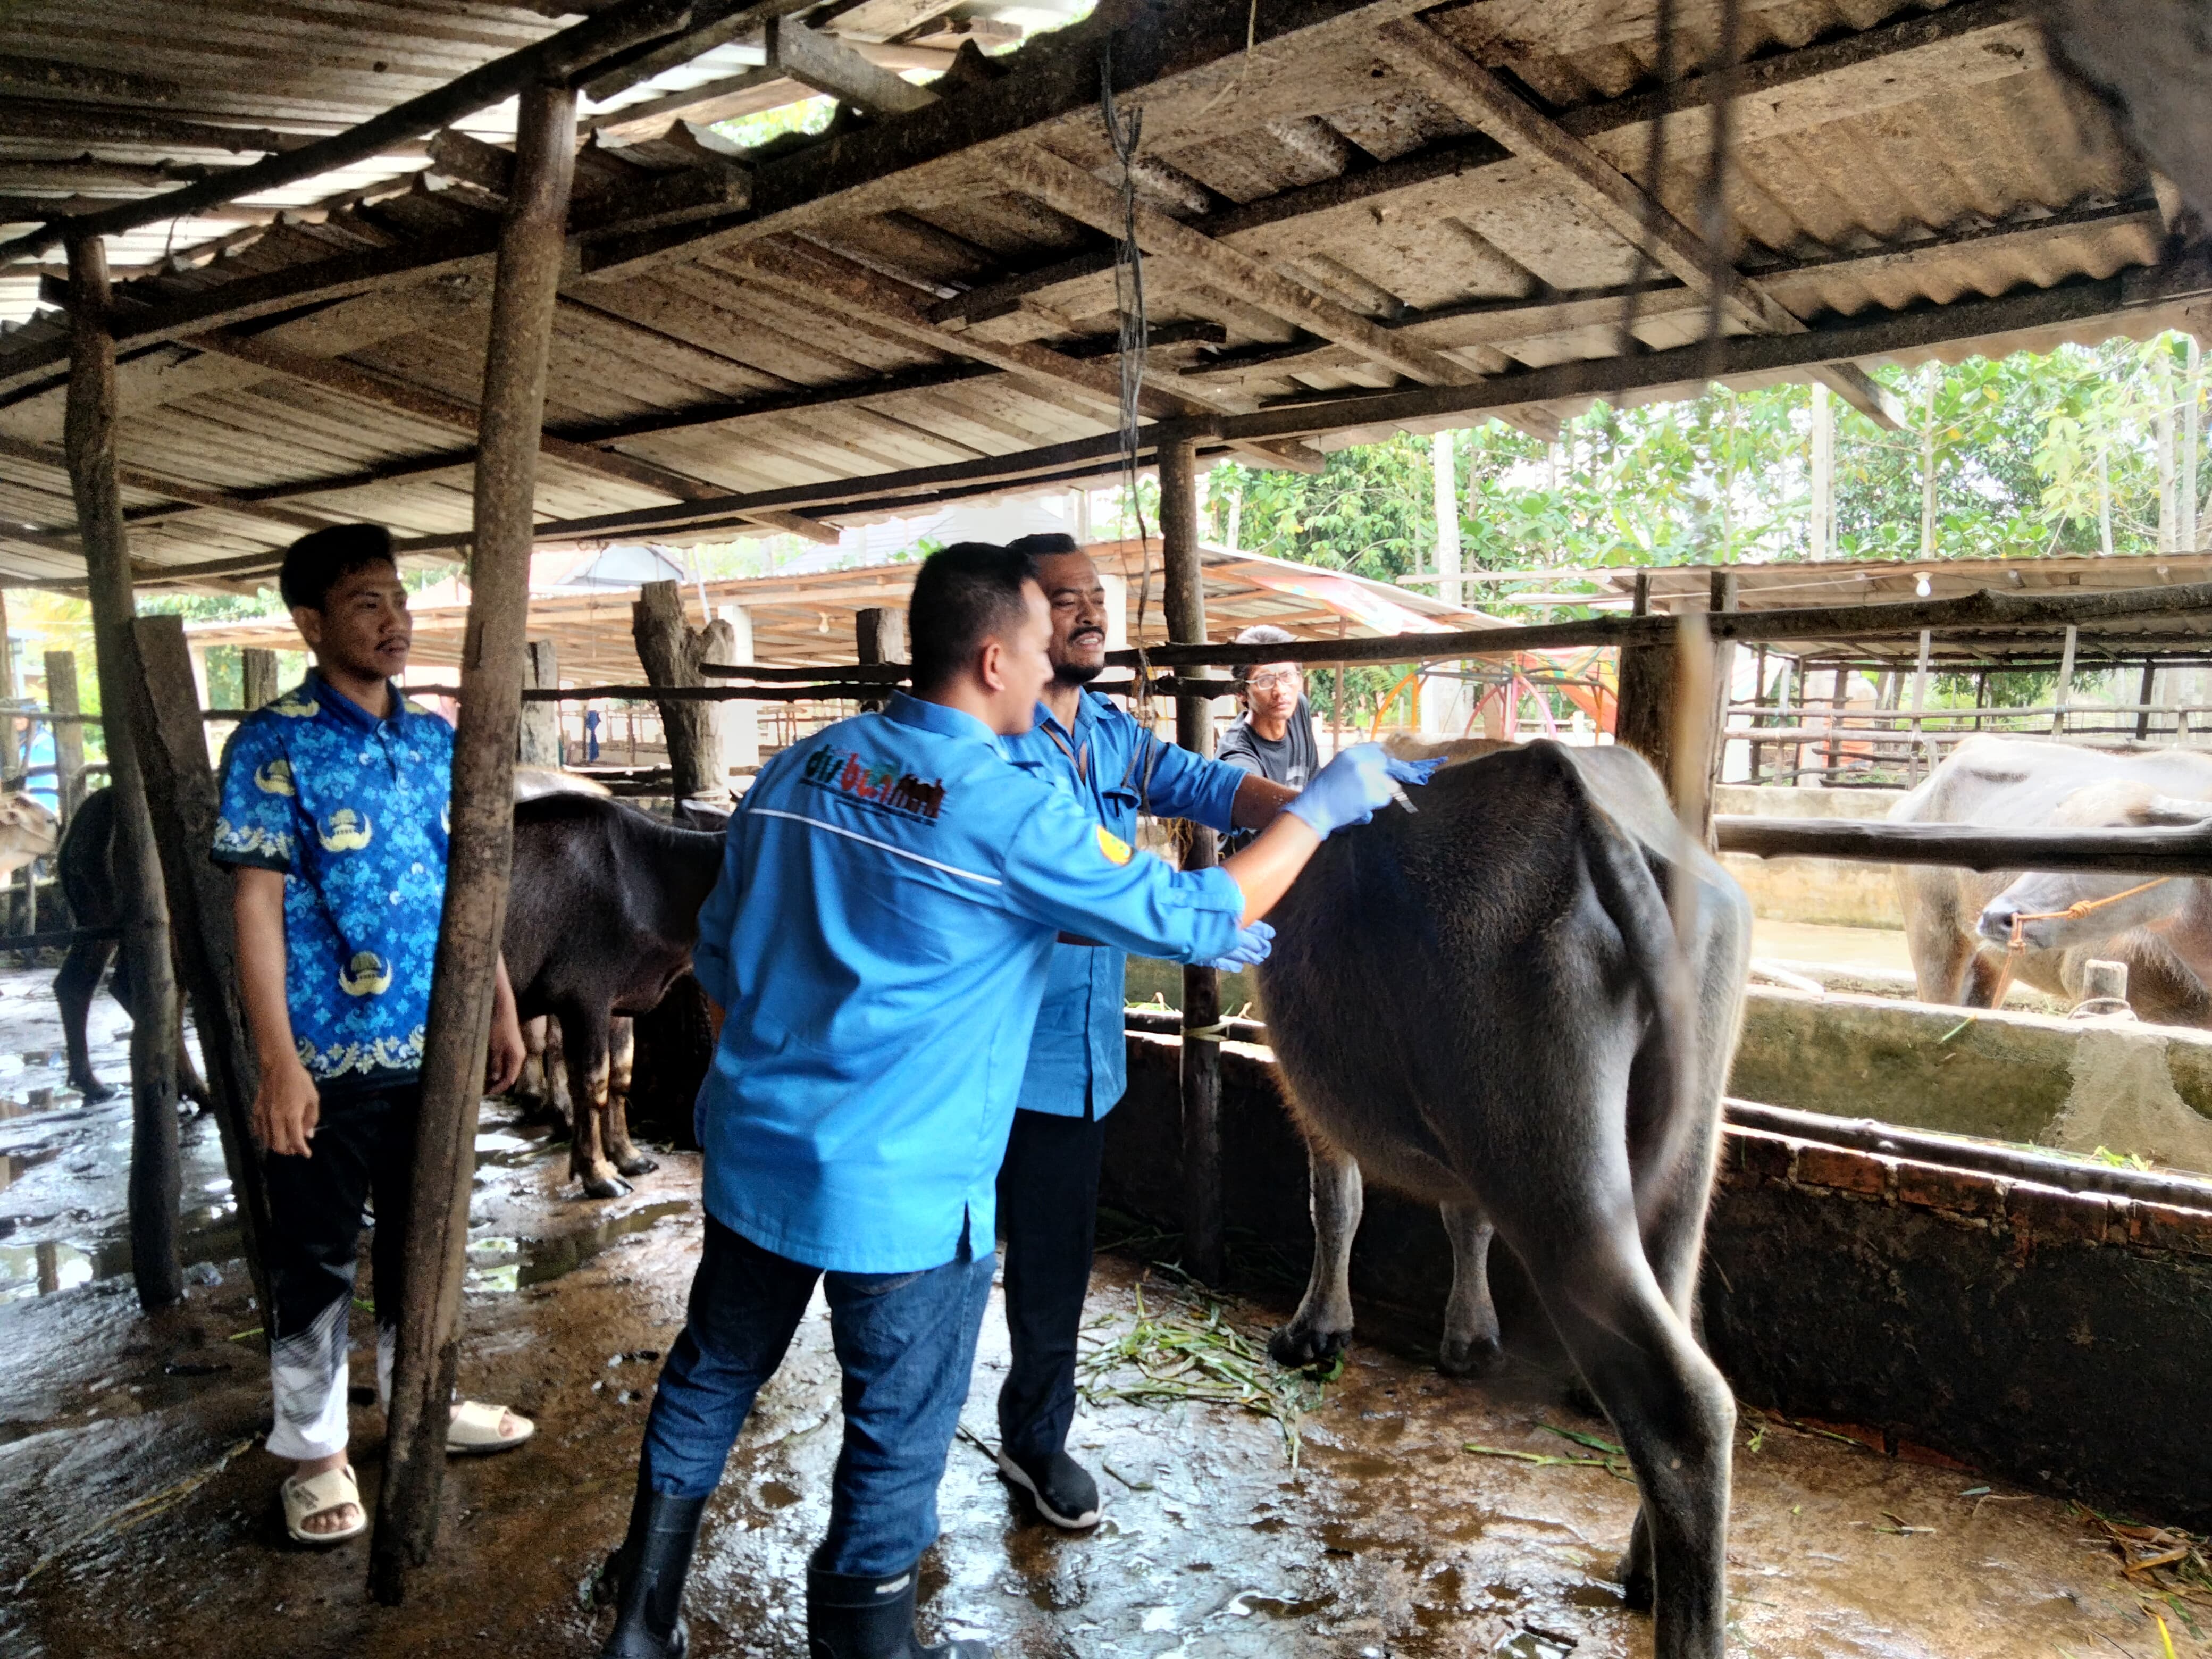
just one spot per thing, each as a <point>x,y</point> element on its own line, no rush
<point>1279,679</point>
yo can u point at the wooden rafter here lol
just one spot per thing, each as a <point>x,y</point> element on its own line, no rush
<point>1066,188</point>
<point>1477,96</point>
<point>159,483</point>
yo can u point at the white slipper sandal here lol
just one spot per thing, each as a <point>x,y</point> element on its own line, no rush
<point>474,1430</point>
<point>318,1495</point>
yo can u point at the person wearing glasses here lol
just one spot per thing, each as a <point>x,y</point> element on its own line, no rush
<point>1274,739</point>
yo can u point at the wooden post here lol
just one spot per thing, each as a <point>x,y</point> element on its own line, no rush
<point>182,799</point>
<point>2065,682</point>
<point>672,651</point>
<point>1185,606</point>
<point>258,676</point>
<point>89,438</point>
<point>1919,704</point>
<point>69,733</point>
<point>15,752</point>
<point>880,635</point>
<point>1641,719</point>
<point>480,851</point>
<point>538,741</point>
<point>2142,696</point>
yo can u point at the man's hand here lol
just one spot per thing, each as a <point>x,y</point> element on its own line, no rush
<point>503,1059</point>
<point>1349,789</point>
<point>286,1108</point>
<point>1254,941</point>
<point>504,1056</point>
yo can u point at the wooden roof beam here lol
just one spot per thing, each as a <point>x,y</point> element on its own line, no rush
<point>1067,189</point>
<point>830,65</point>
<point>364,385</point>
<point>159,483</point>
<point>1479,98</point>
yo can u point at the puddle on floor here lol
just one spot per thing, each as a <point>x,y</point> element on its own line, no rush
<point>497,1263</point>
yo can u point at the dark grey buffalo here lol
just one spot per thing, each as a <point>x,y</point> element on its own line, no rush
<point>1959,923</point>
<point>1484,1004</point>
<point>603,915</point>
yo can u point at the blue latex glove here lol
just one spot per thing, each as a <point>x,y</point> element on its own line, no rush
<point>1351,788</point>
<point>1253,943</point>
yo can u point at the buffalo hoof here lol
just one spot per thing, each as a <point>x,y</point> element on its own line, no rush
<point>1479,1356</point>
<point>1635,1577</point>
<point>605,1186</point>
<point>94,1089</point>
<point>638,1163</point>
<point>1301,1348</point>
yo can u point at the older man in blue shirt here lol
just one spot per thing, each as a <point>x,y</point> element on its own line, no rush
<point>1077,1063</point>
<point>889,897</point>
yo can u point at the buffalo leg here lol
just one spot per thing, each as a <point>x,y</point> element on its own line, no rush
<point>530,1093</point>
<point>1666,1399</point>
<point>1321,1328</point>
<point>622,1037</point>
<point>584,1043</point>
<point>75,987</point>
<point>1470,1346</point>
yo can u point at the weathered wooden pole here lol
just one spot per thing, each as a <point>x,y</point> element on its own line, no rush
<point>481,839</point>
<point>89,439</point>
<point>1185,606</point>
<point>257,674</point>
<point>69,733</point>
<point>879,634</point>
<point>1643,719</point>
<point>182,800</point>
<point>539,743</point>
<point>672,650</point>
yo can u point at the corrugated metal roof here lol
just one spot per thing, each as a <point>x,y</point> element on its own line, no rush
<point>1890,159</point>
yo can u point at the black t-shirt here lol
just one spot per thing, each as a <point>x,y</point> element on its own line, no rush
<point>1292,761</point>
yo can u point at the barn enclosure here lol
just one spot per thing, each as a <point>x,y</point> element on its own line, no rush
<point>565,293</point>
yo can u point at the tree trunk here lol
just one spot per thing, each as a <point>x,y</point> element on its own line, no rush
<point>182,799</point>
<point>68,734</point>
<point>481,847</point>
<point>89,429</point>
<point>258,676</point>
<point>538,741</point>
<point>672,652</point>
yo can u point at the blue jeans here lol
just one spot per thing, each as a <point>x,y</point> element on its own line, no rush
<point>907,1343</point>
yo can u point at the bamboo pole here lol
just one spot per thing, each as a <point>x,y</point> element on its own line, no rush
<point>89,438</point>
<point>1185,606</point>
<point>482,835</point>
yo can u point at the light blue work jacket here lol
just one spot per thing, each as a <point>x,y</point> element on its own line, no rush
<point>1114,766</point>
<point>889,897</point>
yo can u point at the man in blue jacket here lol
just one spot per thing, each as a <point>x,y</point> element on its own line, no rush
<point>1079,1059</point>
<point>878,940</point>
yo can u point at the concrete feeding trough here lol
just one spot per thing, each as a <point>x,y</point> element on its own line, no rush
<point>2043,1319</point>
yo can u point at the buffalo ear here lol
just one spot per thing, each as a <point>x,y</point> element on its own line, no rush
<point>2172,811</point>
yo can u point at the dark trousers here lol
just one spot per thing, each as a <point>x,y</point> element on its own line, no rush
<point>364,1145</point>
<point>1048,1213</point>
<point>907,1344</point>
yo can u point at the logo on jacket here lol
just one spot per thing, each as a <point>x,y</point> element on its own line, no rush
<point>367,974</point>
<point>1117,850</point>
<point>879,784</point>
<point>344,831</point>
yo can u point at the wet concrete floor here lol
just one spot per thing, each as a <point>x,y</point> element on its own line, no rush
<point>138,1515</point>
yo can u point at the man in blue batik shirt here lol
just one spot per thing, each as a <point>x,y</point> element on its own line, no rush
<point>1078,1059</point>
<point>333,820</point>
<point>878,939</point>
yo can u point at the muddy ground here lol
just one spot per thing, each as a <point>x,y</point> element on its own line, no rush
<point>138,1515</point>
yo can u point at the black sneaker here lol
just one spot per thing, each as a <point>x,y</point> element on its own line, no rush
<point>1066,1494</point>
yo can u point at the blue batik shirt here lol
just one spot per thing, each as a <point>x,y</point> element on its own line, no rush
<point>890,893</point>
<point>1114,767</point>
<point>353,810</point>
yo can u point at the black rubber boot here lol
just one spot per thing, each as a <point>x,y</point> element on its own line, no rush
<point>850,1618</point>
<point>649,1569</point>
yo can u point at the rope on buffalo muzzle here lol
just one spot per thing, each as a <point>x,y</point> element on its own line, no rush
<point>2017,947</point>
